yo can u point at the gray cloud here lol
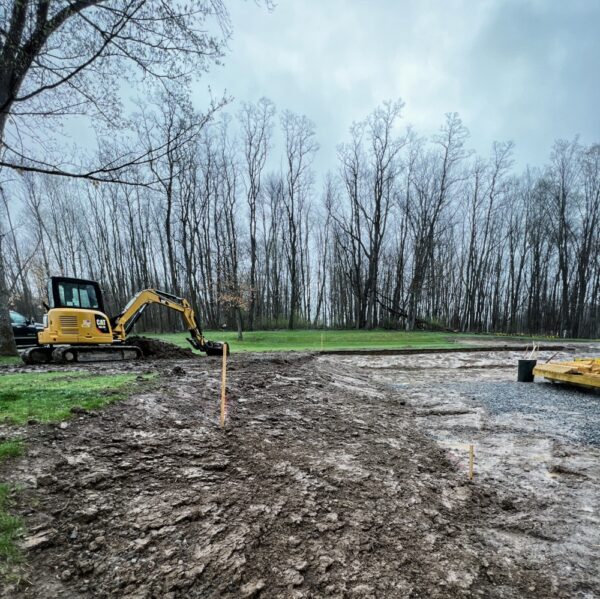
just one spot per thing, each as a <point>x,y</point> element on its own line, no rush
<point>524,70</point>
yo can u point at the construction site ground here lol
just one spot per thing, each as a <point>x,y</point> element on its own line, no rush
<point>335,476</point>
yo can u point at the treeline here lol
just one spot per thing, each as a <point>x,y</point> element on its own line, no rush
<point>408,232</point>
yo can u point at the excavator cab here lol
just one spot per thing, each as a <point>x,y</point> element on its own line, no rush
<point>76,327</point>
<point>67,292</point>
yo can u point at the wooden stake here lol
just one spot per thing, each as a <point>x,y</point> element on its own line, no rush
<point>471,461</point>
<point>223,383</point>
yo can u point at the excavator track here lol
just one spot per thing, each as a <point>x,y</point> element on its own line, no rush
<point>77,354</point>
<point>37,355</point>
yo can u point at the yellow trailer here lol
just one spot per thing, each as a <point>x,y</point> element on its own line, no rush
<point>583,372</point>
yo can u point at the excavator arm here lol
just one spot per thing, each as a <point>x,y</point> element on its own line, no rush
<point>123,322</point>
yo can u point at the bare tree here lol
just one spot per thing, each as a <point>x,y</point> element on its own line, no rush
<point>257,126</point>
<point>7,341</point>
<point>370,165</point>
<point>562,178</point>
<point>9,281</point>
<point>68,57</point>
<point>434,176</point>
<point>300,148</point>
<point>272,220</point>
<point>483,202</point>
<point>586,235</point>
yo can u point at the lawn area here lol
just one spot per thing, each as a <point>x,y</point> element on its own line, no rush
<point>10,360</point>
<point>10,449</point>
<point>49,396</point>
<point>315,340</point>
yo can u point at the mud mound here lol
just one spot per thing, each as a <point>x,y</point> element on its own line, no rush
<point>155,349</point>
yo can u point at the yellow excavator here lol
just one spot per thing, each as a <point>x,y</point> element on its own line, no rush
<point>77,329</point>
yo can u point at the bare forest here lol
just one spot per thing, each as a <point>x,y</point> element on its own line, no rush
<point>222,205</point>
<point>409,232</point>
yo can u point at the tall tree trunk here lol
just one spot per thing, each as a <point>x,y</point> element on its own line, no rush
<point>8,346</point>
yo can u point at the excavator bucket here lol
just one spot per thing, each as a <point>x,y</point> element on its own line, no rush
<point>215,348</point>
<point>210,348</point>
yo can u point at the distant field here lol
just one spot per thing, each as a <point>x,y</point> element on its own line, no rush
<point>314,340</point>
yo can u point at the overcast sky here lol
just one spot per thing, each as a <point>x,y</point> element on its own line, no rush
<point>521,70</point>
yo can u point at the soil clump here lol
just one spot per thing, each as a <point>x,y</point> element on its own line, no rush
<point>156,349</point>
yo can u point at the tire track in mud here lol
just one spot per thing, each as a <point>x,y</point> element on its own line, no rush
<point>321,485</point>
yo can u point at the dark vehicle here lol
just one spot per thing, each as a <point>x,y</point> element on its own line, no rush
<point>24,330</point>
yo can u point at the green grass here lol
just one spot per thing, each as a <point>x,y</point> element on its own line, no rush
<point>49,396</point>
<point>10,360</point>
<point>310,340</point>
<point>9,529</point>
<point>45,397</point>
<point>10,449</point>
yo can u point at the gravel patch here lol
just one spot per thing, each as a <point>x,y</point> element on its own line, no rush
<point>559,411</point>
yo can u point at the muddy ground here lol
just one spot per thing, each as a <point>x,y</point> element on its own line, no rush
<point>335,476</point>
<point>539,442</point>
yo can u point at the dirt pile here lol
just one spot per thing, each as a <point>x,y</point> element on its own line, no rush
<point>161,350</point>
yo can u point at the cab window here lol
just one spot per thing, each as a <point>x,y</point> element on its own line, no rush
<point>74,295</point>
<point>17,318</point>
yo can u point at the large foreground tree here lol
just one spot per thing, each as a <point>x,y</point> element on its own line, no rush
<point>78,57</point>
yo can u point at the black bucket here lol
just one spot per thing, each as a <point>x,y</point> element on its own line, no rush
<point>525,374</point>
